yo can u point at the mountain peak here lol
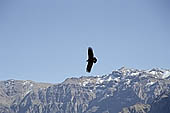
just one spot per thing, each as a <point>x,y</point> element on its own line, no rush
<point>126,71</point>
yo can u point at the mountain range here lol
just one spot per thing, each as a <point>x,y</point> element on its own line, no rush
<point>125,90</point>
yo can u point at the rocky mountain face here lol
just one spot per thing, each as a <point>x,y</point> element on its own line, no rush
<point>123,91</point>
<point>161,104</point>
<point>137,108</point>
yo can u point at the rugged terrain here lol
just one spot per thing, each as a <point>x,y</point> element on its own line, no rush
<point>122,91</point>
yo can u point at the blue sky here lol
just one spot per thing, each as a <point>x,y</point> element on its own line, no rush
<point>47,40</point>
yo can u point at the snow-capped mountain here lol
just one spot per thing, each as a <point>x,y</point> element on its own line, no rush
<point>124,90</point>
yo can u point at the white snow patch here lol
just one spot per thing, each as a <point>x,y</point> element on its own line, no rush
<point>134,73</point>
<point>153,72</point>
<point>86,82</point>
<point>99,80</point>
<point>150,83</point>
<point>116,79</point>
<point>127,81</point>
<point>31,85</point>
<point>26,82</point>
<point>27,92</point>
<point>109,79</point>
<point>166,74</point>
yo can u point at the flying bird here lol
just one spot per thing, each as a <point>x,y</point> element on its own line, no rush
<point>91,59</point>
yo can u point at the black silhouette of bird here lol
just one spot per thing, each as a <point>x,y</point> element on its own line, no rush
<point>91,59</point>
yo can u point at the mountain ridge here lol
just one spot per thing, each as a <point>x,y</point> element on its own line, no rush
<point>123,90</point>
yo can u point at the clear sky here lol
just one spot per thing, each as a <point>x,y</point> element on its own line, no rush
<point>47,40</point>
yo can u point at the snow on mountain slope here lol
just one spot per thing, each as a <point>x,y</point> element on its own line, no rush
<point>127,75</point>
<point>146,84</point>
<point>99,94</point>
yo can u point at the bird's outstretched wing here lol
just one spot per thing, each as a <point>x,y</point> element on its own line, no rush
<point>89,66</point>
<point>90,53</point>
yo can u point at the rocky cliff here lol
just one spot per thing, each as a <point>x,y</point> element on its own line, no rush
<point>122,91</point>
